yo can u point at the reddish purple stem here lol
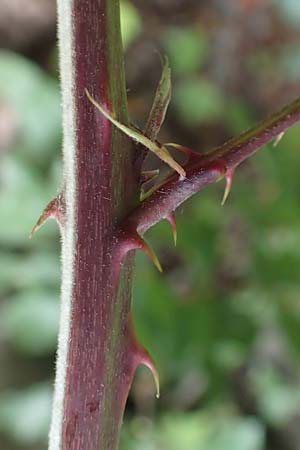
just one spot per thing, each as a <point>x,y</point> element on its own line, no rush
<point>208,168</point>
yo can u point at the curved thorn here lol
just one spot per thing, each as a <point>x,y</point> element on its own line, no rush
<point>133,241</point>
<point>151,254</point>
<point>278,138</point>
<point>55,209</point>
<point>160,151</point>
<point>228,177</point>
<point>141,356</point>
<point>145,359</point>
<point>172,220</point>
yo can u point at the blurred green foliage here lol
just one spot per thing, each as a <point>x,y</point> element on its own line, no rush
<point>187,49</point>
<point>291,10</point>
<point>193,431</point>
<point>223,321</point>
<point>130,23</point>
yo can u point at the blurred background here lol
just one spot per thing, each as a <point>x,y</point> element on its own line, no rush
<point>223,320</point>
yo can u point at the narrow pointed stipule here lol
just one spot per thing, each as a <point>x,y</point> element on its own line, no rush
<point>149,175</point>
<point>172,220</point>
<point>189,152</point>
<point>159,150</point>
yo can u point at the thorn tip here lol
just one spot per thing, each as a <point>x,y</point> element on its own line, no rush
<point>228,178</point>
<point>55,209</point>
<point>146,360</point>
<point>172,220</point>
<point>278,138</point>
<point>152,255</point>
<point>137,242</point>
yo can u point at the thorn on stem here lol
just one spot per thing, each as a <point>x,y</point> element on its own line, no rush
<point>134,242</point>
<point>228,178</point>
<point>145,359</point>
<point>278,138</point>
<point>151,254</point>
<point>55,209</point>
<point>141,356</point>
<point>172,220</point>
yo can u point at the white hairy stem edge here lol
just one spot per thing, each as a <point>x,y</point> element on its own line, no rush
<point>66,52</point>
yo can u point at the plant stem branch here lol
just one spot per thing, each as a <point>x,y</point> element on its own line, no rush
<point>208,168</point>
